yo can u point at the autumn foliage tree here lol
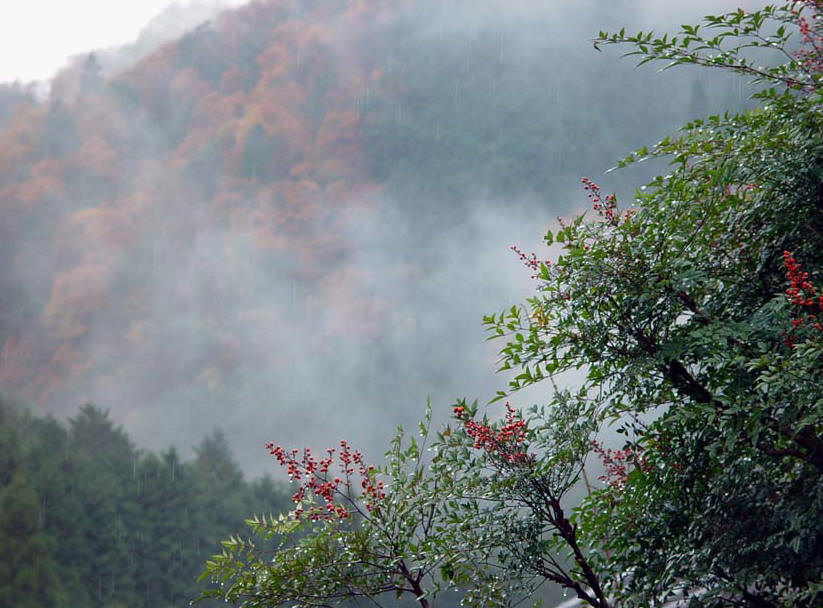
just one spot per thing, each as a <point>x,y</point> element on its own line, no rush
<point>693,315</point>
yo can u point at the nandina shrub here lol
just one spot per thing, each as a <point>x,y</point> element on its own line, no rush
<point>690,324</point>
<point>358,530</point>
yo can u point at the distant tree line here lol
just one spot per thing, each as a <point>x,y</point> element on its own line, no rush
<point>87,519</point>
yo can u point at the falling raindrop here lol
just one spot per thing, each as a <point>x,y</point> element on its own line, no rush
<point>500,48</point>
<point>468,57</point>
<point>4,360</point>
<point>41,514</point>
<point>293,293</point>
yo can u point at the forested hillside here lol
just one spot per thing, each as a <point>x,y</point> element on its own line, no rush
<point>292,191</point>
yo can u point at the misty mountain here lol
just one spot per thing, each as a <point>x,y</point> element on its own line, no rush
<point>288,221</point>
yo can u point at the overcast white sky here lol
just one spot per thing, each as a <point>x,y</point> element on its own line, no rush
<point>38,36</point>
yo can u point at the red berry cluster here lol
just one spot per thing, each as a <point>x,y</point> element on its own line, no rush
<point>314,478</point>
<point>811,57</point>
<point>802,294</point>
<point>505,442</point>
<point>530,261</point>
<point>606,206</point>
<point>617,463</point>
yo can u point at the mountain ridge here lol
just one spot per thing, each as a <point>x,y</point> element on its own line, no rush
<point>298,191</point>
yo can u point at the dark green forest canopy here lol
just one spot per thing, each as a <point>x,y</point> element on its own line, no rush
<point>88,519</point>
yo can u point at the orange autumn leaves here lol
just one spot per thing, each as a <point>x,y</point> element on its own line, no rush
<point>97,181</point>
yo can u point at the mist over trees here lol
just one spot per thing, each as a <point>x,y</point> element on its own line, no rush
<point>300,190</point>
<point>287,223</point>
